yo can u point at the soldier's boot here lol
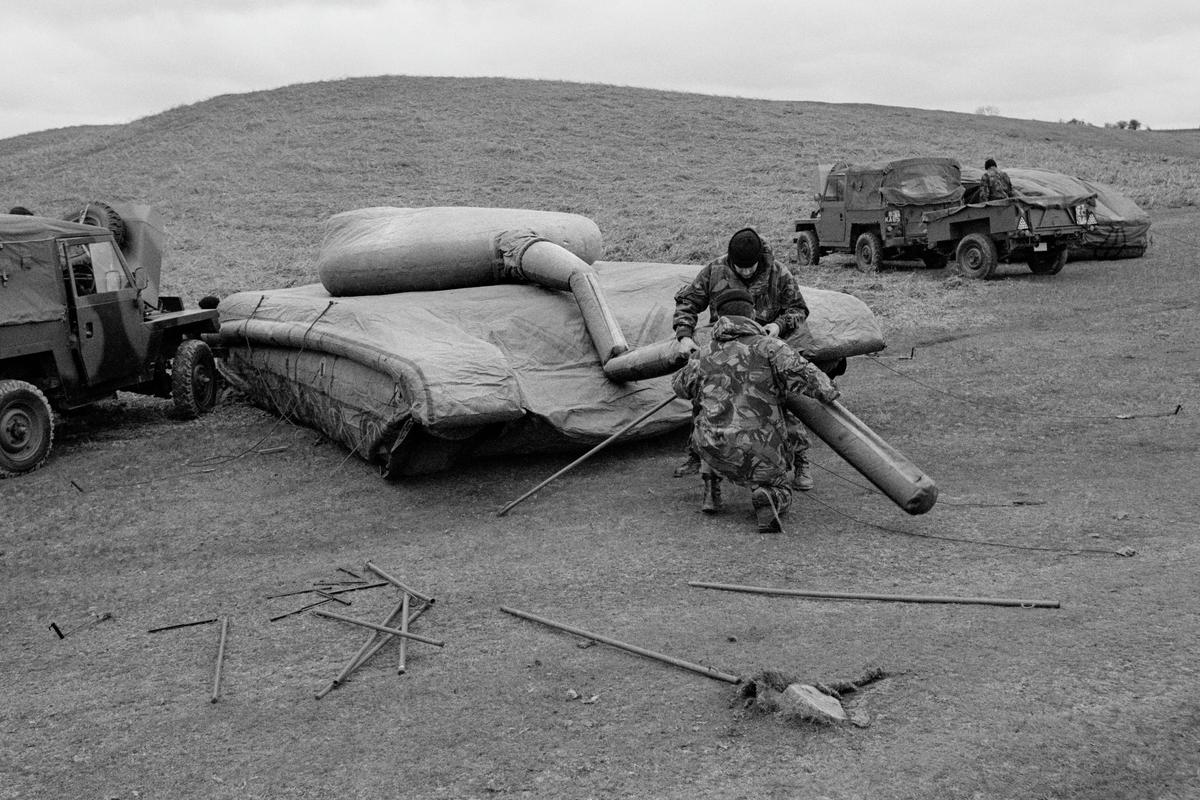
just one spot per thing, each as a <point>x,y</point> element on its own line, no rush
<point>802,478</point>
<point>766,513</point>
<point>711,503</point>
<point>689,466</point>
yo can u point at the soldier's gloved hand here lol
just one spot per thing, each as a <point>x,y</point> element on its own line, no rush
<point>828,394</point>
<point>687,346</point>
<point>772,328</point>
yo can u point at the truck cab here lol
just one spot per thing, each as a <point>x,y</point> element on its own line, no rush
<point>876,211</point>
<point>80,321</point>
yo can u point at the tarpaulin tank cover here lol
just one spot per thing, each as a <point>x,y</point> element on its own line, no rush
<point>415,380</point>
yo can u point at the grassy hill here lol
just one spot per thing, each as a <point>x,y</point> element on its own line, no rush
<point>244,181</point>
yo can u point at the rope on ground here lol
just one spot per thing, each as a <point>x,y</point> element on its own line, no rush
<point>1126,551</point>
<point>1023,411</point>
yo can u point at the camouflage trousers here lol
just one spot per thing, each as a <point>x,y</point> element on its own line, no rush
<point>781,494</point>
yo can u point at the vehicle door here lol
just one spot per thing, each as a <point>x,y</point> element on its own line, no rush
<point>107,318</point>
<point>831,226</point>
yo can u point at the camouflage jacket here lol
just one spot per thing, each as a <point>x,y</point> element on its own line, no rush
<point>738,384</point>
<point>776,294</point>
<point>994,186</point>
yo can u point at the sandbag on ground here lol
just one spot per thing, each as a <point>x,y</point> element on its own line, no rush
<point>491,369</point>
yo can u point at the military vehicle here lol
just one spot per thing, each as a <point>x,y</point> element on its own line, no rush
<point>922,209</point>
<point>81,317</point>
<point>876,211</point>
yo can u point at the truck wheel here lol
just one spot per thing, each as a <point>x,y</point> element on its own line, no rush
<point>1049,263</point>
<point>26,428</point>
<point>807,253</point>
<point>977,256</point>
<point>934,259</point>
<point>101,215</point>
<point>868,252</point>
<point>193,379</point>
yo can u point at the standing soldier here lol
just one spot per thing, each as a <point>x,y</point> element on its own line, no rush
<point>779,308</point>
<point>738,385</point>
<point>994,183</point>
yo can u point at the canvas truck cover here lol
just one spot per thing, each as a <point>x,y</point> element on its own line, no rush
<point>32,289</point>
<point>503,368</point>
<point>921,181</point>
<point>904,182</point>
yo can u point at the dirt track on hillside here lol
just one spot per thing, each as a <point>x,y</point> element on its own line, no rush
<point>1048,427</point>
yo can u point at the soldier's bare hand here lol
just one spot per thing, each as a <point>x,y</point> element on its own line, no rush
<point>772,328</point>
<point>687,346</point>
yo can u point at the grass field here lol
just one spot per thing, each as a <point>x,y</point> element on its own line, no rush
<point>1041,406</point>
<point>244,181</point>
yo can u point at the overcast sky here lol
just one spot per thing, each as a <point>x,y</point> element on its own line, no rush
<point>67,63</point>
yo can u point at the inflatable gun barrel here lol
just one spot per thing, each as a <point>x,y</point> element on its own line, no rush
<point>880,463</point>
<point>546,263</point>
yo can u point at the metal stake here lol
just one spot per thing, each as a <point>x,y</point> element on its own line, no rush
<point>398,584</point>
<point>216,690</point>
<point>383,628</point>
<point>404,627</point>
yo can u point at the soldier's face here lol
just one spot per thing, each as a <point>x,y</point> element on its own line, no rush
<point>745,273</point>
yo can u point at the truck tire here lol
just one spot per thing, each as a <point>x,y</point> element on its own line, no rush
<point>26,428</point>
<point>868,251</point>
<point>807,252</point>
<point>102,215</point>
<point>976,255</point>
<point>1050,262</point>
<point>193,379</point>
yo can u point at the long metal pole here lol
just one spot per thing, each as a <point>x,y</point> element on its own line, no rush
<point>587,455</point>
<point>708,672</point>
<point>895,598</point>
<point>400,668</point>
<point>355,661</point>
<point>398,584</point>
<point>385,638</point>
<point>216,690</point>
<point>383,628</point>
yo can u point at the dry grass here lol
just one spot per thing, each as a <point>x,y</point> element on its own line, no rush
<point>1011,395</point>
<point>244,181</point>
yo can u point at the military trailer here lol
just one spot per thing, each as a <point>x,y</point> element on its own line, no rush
<point>1035,230</point>
<point>81,317</point>
<point>876,211</point>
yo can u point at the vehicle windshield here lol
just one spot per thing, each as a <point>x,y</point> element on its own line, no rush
<point>95,267</point>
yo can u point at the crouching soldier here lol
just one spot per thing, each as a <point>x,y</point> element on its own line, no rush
<point>738,384</point>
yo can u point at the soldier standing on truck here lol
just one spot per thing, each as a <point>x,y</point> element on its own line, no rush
<point>779,307</point>
<point>994,183</point>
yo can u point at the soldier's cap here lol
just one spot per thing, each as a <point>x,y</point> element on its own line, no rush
<point>991,162</point>
<point>745,248</point>
<point>734,302</point>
